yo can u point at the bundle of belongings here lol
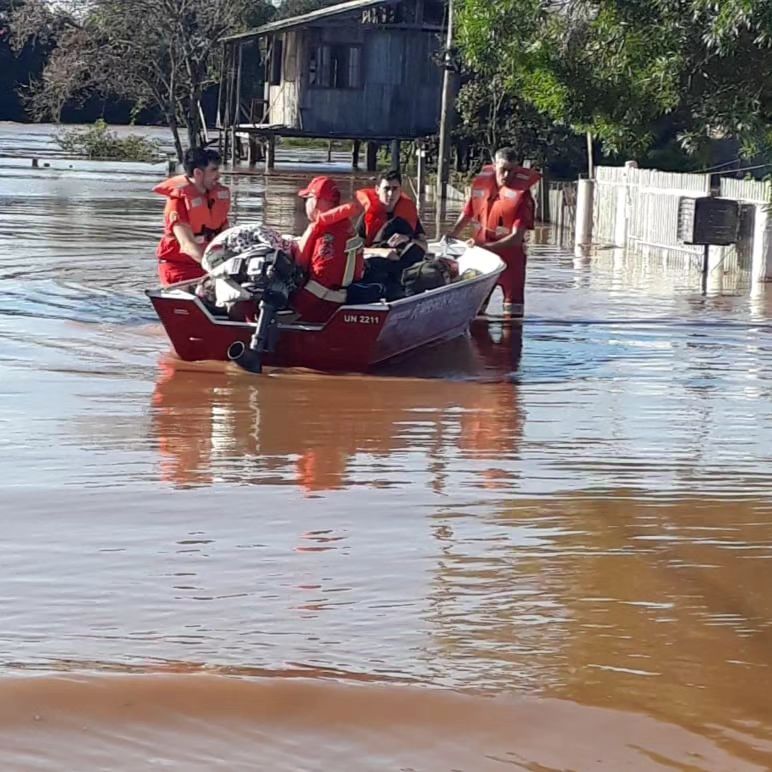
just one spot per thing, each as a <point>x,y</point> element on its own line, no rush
<point>430,273</point>
<point>236,261</point>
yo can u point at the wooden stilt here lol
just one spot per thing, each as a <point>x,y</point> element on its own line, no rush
<point>396,161</point>
<point>270,153</point>
<point>372,156</point>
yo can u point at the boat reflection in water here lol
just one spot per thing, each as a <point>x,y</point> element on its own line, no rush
<point>213,424</point>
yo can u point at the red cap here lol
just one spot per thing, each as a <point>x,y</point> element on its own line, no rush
<point>321,188</point>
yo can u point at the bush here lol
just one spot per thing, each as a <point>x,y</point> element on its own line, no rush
<point>305,143</point>
<point>99,142</point>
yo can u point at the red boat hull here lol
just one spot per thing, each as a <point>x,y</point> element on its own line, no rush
<point>356,338</point>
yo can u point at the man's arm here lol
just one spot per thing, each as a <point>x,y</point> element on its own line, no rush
<point>402,241</point>
<point>507,242</point>
<point>463,220</point>
<point>524,222</point>
<point>184,235</point>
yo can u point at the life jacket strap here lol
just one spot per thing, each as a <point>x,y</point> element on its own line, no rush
<point>325,293</point>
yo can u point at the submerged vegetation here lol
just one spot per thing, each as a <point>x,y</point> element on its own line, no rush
<point>98,142</point>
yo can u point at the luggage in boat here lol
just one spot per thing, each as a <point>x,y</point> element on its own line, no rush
<point>364,292</point>
<point>429,274</point>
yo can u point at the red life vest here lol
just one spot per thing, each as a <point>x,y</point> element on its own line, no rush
<point>207,216</point>
<point>329,275</point>
<point>376,214</point>
<point>495,209</point>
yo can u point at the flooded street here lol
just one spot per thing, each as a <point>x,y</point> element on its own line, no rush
<point>537,548</point>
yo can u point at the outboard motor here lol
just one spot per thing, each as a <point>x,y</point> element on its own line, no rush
<point>254,264</point>
<point>271,277</point>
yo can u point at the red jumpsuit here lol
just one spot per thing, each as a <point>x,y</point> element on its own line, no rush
<point>496,212</point>
<point>207,215</point>
<point>331,262</point>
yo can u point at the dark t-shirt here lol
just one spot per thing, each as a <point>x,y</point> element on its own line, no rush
<point>393,225</point>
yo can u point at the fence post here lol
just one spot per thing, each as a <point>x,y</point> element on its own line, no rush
<point>622,209</point>
<point>421,173</point>
<point>559,204</point>
<point>761,267</point>
<point>585,190</point>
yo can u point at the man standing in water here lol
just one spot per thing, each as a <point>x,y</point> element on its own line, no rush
<point>197,208</point>
<point>501,210</point>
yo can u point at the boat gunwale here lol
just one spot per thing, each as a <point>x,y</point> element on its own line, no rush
<point>165,293</point>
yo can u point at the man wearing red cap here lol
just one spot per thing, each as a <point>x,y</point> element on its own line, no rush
<point>327,252</point>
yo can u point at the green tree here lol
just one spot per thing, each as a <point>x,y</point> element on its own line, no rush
<point>17,66</point>
<point>289,8</point>
<point>160,53</point>
<point>492,117</point>
<point>617,67</point>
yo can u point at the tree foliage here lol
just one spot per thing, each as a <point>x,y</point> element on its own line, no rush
<point>617,67</point>
<point>16,65</point>
<point>99,142</point>
<point>492,117</point>
<point>289,8</point>
<point>161,53</point>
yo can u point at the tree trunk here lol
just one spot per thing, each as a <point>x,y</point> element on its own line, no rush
<point>175,130</point>
<point>193,122</point>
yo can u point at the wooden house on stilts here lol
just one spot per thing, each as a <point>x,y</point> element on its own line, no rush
<point>364,70</point>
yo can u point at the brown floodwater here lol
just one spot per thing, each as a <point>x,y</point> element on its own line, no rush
<point>538,548</point>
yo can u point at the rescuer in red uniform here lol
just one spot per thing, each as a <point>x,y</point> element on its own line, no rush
<point>328,251</point>
<point>197,208</point>
<point>501,210</point>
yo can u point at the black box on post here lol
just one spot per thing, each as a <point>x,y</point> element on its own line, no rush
<point>708,220</point>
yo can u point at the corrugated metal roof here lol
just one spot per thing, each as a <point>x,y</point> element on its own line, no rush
<point>308,18</point>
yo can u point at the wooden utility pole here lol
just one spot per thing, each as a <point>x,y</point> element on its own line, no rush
<point>590,159</point>
<point>445,112</point>
<point>236,108</point>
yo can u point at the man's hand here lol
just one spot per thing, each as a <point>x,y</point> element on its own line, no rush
<point>397,240</point>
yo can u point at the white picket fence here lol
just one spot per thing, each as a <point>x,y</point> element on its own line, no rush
<point>637,209</point>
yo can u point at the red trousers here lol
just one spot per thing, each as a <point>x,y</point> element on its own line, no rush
<point>184,270</point>
<point>512,279</point>
<point>312,308</point>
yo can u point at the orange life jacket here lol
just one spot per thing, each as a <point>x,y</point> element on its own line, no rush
<point>376,214</point>
<point>329,278</point>
<point>347,263</point>
<point>495,209</point>
<point>207,212</point>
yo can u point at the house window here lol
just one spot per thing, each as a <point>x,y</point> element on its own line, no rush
<point>336,66</point>
<point>277,55</point>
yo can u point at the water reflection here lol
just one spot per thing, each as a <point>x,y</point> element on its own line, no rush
<point>324,434</point>
<point>583,514</point>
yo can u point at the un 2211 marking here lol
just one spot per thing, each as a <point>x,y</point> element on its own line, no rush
<point>361,319</point>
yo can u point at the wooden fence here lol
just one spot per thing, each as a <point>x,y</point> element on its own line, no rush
<point>638,209</point>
